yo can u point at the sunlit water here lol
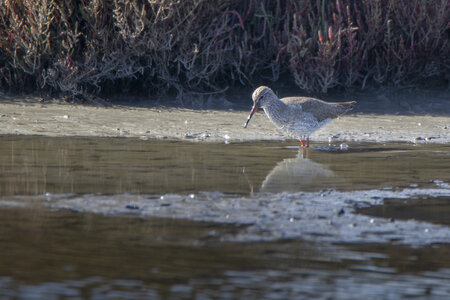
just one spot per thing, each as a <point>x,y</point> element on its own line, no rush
<point>118,219</point>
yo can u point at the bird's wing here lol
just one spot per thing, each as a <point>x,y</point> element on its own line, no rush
<point>321,110</point>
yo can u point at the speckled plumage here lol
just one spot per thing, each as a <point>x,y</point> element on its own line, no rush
<point>297,116</point>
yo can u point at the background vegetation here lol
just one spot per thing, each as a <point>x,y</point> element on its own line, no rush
<point>204,46</point>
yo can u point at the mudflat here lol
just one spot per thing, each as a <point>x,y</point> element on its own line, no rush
<point>28,116</point>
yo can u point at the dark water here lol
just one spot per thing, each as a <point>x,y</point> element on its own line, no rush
<point>60,254</point>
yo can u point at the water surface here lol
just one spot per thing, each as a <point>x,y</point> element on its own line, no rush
<point>124,250</point>
<point>37,165</point>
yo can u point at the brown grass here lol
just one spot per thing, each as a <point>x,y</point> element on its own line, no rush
<point>202,46</point>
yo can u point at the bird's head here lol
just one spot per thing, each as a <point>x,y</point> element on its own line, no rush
<point>260,98</point>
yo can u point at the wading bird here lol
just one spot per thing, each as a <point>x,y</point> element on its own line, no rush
<point>296,116</point>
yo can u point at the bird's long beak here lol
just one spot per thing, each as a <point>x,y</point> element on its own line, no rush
<point>254,109</point>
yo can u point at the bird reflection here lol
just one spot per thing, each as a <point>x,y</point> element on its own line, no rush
<point>298,174</point>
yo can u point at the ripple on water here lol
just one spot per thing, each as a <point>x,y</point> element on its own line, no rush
<point>313,283</point>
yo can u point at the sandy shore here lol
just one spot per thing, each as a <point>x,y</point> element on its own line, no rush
<point>30,117</point>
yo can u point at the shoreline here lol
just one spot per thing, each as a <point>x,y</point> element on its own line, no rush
<point>30,117</point>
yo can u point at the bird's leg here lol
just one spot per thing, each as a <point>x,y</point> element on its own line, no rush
<point>302,142</point>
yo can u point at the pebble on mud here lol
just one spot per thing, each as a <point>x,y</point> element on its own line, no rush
<point>132,206</point>
<point>343,147</point>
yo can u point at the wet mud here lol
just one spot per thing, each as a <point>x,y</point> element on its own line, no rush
<point>361,125</point>
<point>325,216</point>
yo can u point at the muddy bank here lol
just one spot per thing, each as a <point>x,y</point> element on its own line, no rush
<point>326,216</point>
<point>52,119</point>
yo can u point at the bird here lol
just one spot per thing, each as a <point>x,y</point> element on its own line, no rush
<point>298,117</point>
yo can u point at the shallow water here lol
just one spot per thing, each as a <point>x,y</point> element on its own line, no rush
<point>37,165</point>
<point>118,218</point>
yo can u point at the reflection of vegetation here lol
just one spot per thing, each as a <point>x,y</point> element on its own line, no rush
<point>81,47</point>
